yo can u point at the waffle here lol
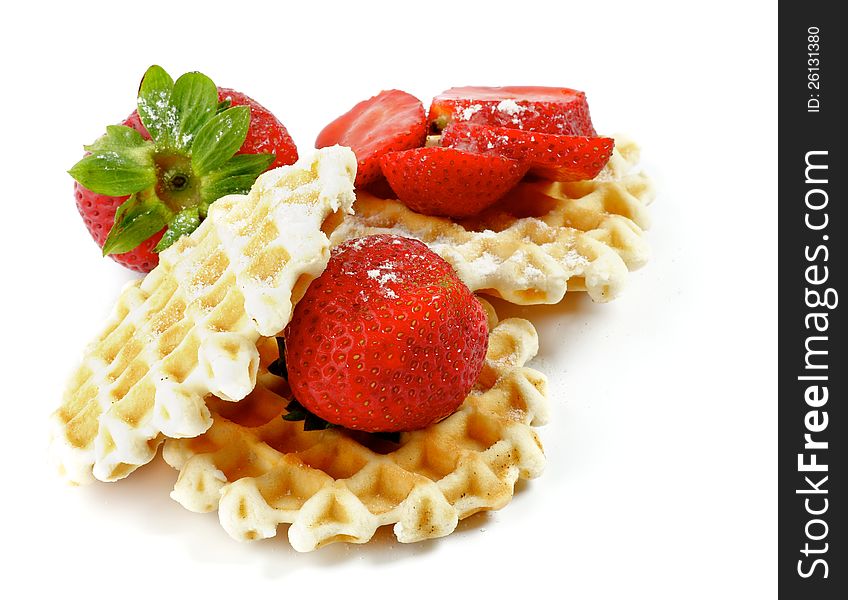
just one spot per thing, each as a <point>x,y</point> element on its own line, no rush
<point>542,239</point>
<point>259,470</point>
<point>190,327</point>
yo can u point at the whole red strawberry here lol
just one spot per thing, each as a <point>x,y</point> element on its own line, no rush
<point>450,182</point>
<point>392,120</point>
<point>386,339</point>
<point>150,180</point>
<point>561,111</point>
<point>555,157</point>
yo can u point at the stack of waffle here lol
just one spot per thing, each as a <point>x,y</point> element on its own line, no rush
<point>184,357</point>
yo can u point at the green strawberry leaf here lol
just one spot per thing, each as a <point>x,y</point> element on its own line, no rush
<point>219,139</point>
<point>182,223</point>
<point>196,100</point>
<point>142,215</point>
<point>155,106</point>
<point>239,184</point>
<point>241,164</point>
<point>316,423</point>
<point>113,174</point>
<point>295,411</point>
<point>278,367</point>
<point>223,105</point>
<point>311,422</point>
<point>236,176</point>
<point>120,137</point>
<point>120,163</point>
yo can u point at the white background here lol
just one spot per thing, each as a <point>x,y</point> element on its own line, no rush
<point>662,473</point>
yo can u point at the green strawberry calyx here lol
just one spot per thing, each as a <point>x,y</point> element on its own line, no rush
<point>189,162</point>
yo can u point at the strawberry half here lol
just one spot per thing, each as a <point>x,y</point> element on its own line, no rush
<point>390,121</point>
<point>554,157</point>
<point>450,182</point>
<point>388,338</point>
<point>150,180</point>
<point>561,111</point>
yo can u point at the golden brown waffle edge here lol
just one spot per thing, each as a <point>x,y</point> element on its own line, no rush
<point>260,471</point>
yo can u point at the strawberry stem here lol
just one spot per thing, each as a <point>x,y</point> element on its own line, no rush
<point>178,187</point>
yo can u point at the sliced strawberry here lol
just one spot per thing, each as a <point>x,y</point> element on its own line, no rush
<point>555,157</point>
<point>544,109</point>
<point>390,121</point>
<point>450,182</point>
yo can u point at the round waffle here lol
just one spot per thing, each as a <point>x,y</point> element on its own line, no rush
<point>334,485</point>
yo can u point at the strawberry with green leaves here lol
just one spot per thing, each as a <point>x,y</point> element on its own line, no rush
<point>149,181</point>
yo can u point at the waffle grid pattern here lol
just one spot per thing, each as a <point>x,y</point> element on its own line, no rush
<point>190,327</point>
<point>260,471</point>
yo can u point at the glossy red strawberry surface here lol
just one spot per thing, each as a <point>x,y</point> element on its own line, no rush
<point>386,339</point>
<point>450,182</point>
<point>554,157</point>
<point>390,121</point>
<point>544,109</point>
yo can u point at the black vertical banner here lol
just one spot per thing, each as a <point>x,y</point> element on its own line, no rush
<point>813,364</point>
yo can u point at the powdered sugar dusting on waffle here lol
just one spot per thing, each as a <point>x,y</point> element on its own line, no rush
<point>486,264</point>
<point>587,235</point>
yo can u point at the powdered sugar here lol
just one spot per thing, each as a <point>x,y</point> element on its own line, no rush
<point>528,275</point>
<point>357,244</point>
<point>383,274</point>
<point>518,265</point>
<point>470,111</point>
<point>533,273</point>
<point>485,264</point>
<point>158,113</point>
<point>575,261</point>
<point>510,107</point>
